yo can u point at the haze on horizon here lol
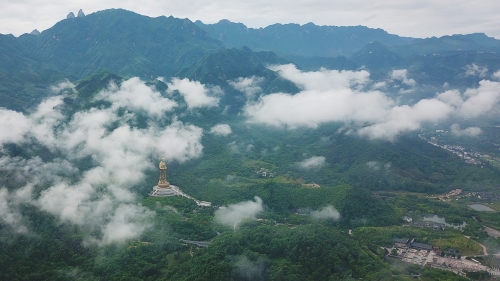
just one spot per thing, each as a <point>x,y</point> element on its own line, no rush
<point>412,18</point>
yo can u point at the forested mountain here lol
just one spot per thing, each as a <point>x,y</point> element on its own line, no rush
<point>130,44</point>
<point>458,43</point>
<point>120,41</point>
<point>301,40</point>
<point>315,146</point>
<point>378,57</point>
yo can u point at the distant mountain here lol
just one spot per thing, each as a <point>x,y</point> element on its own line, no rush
<point>314,63</point>
<point>228,64</point>
<point>376,56</point>
<point>220,67</point>
<point>456,69</point>
<point>128,44</point>
<point>301,40</point>
<point>22,78</point>
<point>477,42</point>
<point>120,41</point>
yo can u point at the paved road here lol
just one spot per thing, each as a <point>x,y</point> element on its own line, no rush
<point>197,243</point>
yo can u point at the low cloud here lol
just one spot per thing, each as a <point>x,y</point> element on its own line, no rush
<point>245,269</point>
<point>233,214</point>
<point>469,132</point>
<point>195,94</point>
<point>135,95</point>
<point>405,118</point>
<point>375,165</point>
<point>481,100</point>
<point>496,75</point>
<point>314,162</point>
<point>13,126</point>
<point>475,70</point>
<point>379,85</point>
<point>127,222</point>
<point>101,199</point>
<point>342,96</point>
<point>474,101</point>
<point>221,130</point>
<point>250,85</point>
<point>10,203</point>
<point>402,75</point>
<point>328,212</point>
<point>62,87</point>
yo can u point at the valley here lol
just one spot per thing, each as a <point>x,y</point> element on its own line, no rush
<point>309,157</point>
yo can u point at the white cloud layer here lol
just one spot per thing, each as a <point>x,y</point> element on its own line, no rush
<point>314,162</point>
<point>475,70</point>
<point>333,96</point>
<point>195,94</point>
<point>10,214</point>
<point>496,75</point>
<point>13,126</point>
<point>233,214</point>
<point>249,85</point>
<point>101,198</point>
<point>135,95</point>
<point>469,132</point>
<point>401,75</point>
<point>375,165</point>
<point>221,130</point>
<point>328,212</point>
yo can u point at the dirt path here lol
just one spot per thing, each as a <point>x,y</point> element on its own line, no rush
<point>485,251</point>
<point>492,232</point>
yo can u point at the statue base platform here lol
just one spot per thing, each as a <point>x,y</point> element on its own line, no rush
<point>163,192</point>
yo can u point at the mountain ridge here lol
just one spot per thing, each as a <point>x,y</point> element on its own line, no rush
<point>129,44</point>
<point>261,39</point>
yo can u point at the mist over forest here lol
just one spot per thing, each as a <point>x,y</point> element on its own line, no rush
<point>315,146</point>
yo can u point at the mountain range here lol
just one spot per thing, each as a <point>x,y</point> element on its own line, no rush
<point>313,147</point>
<point>129,44</point>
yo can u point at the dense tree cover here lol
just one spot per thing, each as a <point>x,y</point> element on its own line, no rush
<point>478,275</point>
<point>447,239</point>
<point>311,252</point>
<point>129,44</point>
<point>306,40</point>
<point>409,164</point>
<point>440,275</point>
<point>226,173</point>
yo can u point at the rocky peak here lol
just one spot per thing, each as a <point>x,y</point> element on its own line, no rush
<point>70,15</point>
<point>80,13</point>
<point>35,32</point>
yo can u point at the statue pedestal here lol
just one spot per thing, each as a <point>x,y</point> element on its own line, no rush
<point>162,191</point>
<point>163,185</point>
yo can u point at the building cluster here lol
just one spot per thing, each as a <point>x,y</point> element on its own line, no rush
<point>469,157</point>
<point>266,174</point>
<point>423,254</point>
<point>410,251</point>
<point>454,192</point>
<point>411,244</point>
<point>429,224</point>
<point>485,195</point>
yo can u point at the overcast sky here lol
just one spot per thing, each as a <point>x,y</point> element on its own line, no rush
<point>415,18</point>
